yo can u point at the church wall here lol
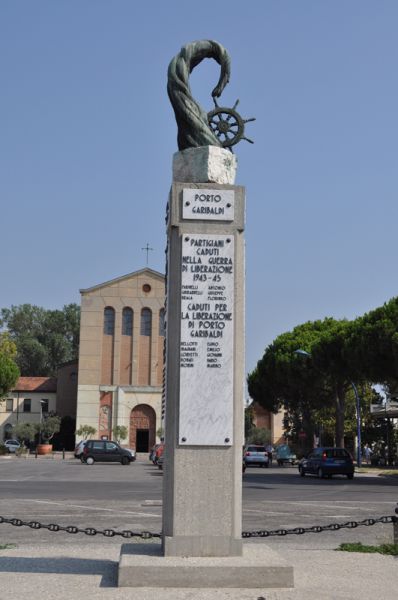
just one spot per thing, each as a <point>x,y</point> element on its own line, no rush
<point>113,355</point>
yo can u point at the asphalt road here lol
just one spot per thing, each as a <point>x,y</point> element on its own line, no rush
<point>112,496</point>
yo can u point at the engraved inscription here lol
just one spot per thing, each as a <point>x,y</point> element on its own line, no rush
<point>213,205</point>
<point>206,347</point>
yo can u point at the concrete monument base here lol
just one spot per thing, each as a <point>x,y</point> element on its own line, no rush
<point>143,565</point>
<point>204,164</point>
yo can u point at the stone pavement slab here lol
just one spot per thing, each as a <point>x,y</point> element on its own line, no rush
<point>55,572</point>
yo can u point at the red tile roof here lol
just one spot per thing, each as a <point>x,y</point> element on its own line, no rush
<point>36,384</point>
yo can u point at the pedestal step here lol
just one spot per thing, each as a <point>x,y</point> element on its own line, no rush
<point>143,565</point>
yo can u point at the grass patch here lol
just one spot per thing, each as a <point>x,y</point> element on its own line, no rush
<point>7,546</point>
<point>393,473</point>
<point>391,549</point>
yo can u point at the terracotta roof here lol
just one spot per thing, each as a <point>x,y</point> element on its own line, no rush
<point>36,384</point>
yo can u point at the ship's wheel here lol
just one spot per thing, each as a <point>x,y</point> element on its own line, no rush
<point>228,125</point>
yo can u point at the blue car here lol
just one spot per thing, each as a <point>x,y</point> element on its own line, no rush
<point>325,462</point>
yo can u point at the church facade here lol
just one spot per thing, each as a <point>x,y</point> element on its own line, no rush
<point>121,357</point>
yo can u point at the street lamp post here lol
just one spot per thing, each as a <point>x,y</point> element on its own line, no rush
<point>41,419</point>
<point>358,410</point>
<point>358,407</point>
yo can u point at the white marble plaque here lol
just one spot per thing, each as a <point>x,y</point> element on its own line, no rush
<point>211,205</point>
<point>207,340</point>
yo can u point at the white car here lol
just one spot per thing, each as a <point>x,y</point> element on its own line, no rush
<point>256,455</point>
<point>12,445</point>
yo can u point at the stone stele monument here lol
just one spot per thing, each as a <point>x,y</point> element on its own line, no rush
<point>204,357</point>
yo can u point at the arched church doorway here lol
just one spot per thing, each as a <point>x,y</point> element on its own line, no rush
<point>142,428</point>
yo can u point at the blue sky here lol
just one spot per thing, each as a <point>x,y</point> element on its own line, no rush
<point>87,137</point>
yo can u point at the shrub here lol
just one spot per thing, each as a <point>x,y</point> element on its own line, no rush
<point>259,435</point>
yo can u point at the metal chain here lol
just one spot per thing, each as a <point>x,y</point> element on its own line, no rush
<point>146,535</point>
<point>319,528</point>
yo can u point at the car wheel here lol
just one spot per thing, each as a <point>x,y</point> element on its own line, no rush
<point>125,460</point>
<point>350,475</point>
<point>90,460</point>
<point>266,465</point>
<point>301,471</point>
<point>320,473</point>
<point>82,459</point>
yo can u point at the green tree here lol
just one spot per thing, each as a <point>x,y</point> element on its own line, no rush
<point>259,435</point>
<point>49,426</point>
<point>317,388</point>
<point>86,431</point>
<point>9,371</point>
<point>373,345</point>
<point>44,338</point>
<point>120,433</point>
<point>249,420</point>
<point>25,431</point>
<point>305,384</point>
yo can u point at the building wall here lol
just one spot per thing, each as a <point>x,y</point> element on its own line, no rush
<point>17,415</point>
<point>262,418</point>
<point>117,370</point>
<point>67,389</point>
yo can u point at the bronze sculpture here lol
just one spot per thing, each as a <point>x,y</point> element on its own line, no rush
<point>221,127</point>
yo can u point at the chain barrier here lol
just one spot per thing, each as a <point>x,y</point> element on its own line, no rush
<point>146,535</point>
<point>126,533</point>
<point>318,528</point>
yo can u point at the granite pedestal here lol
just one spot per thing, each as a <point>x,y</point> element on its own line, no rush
<point>143,565</point>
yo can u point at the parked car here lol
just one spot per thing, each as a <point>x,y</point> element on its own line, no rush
<point>326,462</point>
<point>255,455</point>
<point>12,446</point>
<point>79,448</point>
<point>132,452</point>
<point>284,455</point>
<point>105,451</point>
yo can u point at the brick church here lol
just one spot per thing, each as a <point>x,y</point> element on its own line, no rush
<point>121,357</point>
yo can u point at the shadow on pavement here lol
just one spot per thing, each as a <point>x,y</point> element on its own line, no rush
<point>62,566</point>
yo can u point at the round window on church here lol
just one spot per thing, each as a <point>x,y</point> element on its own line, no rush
<point>146,288</point>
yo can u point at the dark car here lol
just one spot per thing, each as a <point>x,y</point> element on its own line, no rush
<point>105,451</point>
<point>326,462</point>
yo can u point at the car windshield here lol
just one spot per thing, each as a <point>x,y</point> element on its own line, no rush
<point>256,449</point>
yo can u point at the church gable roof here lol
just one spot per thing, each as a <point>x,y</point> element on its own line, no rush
<point>150,273</point>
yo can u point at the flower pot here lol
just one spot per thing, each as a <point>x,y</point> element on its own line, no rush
<point>44,448</point>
